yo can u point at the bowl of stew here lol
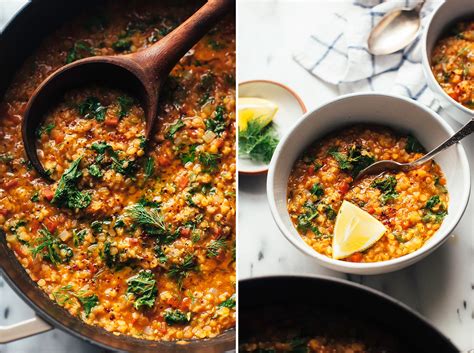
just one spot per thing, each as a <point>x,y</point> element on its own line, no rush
<point>312,174</point>
<point>448,57</point>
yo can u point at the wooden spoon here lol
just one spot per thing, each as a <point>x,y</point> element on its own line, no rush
<point>142,73</point>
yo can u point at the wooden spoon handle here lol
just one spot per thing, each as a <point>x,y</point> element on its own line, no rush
<point>159,59</point>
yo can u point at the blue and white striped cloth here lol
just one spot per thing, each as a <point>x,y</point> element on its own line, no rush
<point>337,53</point>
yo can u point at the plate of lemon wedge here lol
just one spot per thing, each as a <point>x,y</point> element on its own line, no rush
<point>266,110</point>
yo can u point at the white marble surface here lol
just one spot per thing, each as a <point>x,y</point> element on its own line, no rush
<point>440,287</point>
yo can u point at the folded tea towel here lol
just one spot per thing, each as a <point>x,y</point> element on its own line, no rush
<point>338,53</point>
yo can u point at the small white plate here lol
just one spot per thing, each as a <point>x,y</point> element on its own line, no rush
<point>290,108</point>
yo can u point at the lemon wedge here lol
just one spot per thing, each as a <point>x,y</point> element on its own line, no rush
<point>355,230</point>
<point>251,108</point>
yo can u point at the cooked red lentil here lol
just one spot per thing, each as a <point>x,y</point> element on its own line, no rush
<point>452,63</point>
<point>410,204</point>
<point>139,244</point>
<point>302,331</point>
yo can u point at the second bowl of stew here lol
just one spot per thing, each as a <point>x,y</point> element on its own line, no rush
<point>312,175</point>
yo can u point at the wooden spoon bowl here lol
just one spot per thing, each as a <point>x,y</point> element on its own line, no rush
<point>142,74</point>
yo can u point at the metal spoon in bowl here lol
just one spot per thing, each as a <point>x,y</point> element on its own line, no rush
<point>395,31</point>
<point>142,73</point>
<point>383,166</point>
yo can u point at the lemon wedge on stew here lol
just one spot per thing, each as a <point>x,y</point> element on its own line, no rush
<point>251,109</point>
<point>355,230</point>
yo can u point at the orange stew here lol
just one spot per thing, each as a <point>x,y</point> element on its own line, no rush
<point>411,205</point>
<point>139,243</point>
<point>452,63</point>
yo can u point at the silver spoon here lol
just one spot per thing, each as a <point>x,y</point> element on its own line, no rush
<point>395,31</point>
<point>383,166</point>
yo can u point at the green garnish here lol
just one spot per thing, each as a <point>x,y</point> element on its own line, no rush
<point>88,302</point>
<point>387,188</point>
<point>173,129</point>
<point>432,202</point>
<point>160,254</point>
<point>125,103</point>
<point>431,215</point>
<point>413,145</point>
<point>179,272</point>
<point>215,247</point>
<point>228,303</point>
<point>143,287</point>
<point>317,190</point>
<point>35,196</point>
<point>96,227</point>
<point>217,124</point>
<point>91,108</point>
<point>215,45</point>
<point>51,248</point>
<point>189,156</point>
<point>78,236</point>
<point>305,219</point>
<point>79,51</point>
<point>176,317</point>
<point>209,161</point>
<point>149,167</point>
<point>95,171</point>
<point>121,45</point>
<point>6,158</point>
<point>67,194</point>
<point>45,129</point>
<point>356,160</point>
<point>258,142</point>
<point>330,213</point>
<point>150,220</point>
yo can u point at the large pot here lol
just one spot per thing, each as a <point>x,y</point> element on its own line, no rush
<point>17,42</point>
<point>338,297</point>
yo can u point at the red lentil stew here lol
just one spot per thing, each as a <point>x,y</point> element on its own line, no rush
<point>141,244</point>
<point>411,205</point>
<point>303,331</point>
<point>452,63</point>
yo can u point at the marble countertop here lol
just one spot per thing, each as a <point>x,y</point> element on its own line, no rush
<point>440,287</point>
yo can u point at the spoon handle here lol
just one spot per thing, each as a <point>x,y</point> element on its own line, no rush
<point>159,59</point>
<point>458,136</point>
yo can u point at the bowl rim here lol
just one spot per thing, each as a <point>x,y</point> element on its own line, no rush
<point>426,62</point>
<point>375,267</point>
<point>304,110</point>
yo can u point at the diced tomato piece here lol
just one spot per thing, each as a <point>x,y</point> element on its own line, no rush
<point>10,184</point>
<point>173,302</point>
<point>343,188</point>
<point>58,136</point>
<point>185,304</point>
<point>51,224</point>
<point>48,194</point>
<point>35,225</point>
<point>185,232</point>
<point>3,211</point>
<point>219,142</point>
<point>356,257</point>
<point>164,160</point>
<point>111,121</point>
<point>371,210</point>
<point>183,181</point>
<point>311,169</point>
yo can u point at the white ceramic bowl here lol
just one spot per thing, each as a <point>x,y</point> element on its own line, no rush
<point>442,19</point>
<point>397,112</point>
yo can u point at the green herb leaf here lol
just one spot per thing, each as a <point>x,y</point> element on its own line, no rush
<point>173,129</point>
<point>215,247</point>
<point>149,219</point>
<point>95,171</point>
<point>228,303</point>
<point>78,236</point>
<point>51,248</point>
<point>317,190</point>
<point>143,287</point>
<point>121,45</point>
<point>149,167</point>
<point>387,187</point>
<point>432,202</point>
<point>217,124</point>
<point>125,103</point>
<point>79,51</point>
<point>413,145</point>
<point>209,161</point>
<point>45,129</point>
<point>189,156</point>
<point>258,142</point>
<point>67,194</point>
<point>88,303</point>
<point>179,272</point>
<point>176,317</point>
<point>91,108</point>
<point>35,196</point>
<point>355,161</point>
